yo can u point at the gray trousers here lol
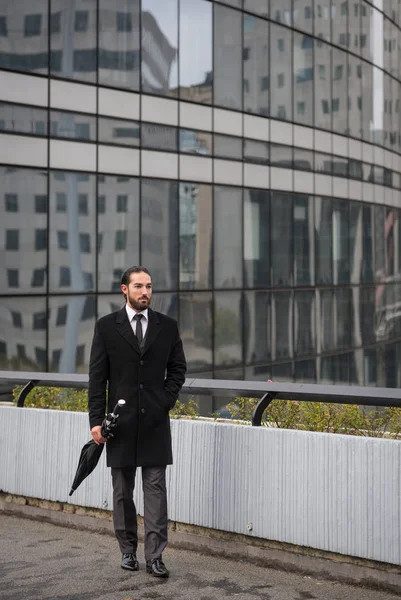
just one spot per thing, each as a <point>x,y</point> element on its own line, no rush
<point>155,510</point>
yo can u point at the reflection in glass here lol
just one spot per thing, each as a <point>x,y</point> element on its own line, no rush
<point>354,95</point>
<point>257,327</point>
<point>256,152</point>
<point>24,256</point>
<point>303,77</point>
<point>392,365</point>
<point>119,44</point>
<point>196,329</point>
<point>282,317</point>
<point>324,240</point>
<point>281,156</point>
<point>118,220</point>
<point>340,229</point>
<point>256,65</point>
<point>361,242</point>
<point>304,252</point>
<point>73,125</point>
<point>227,328</point>
<point>281,206</point>
<point>159,137</point>
<point>335,369</point>
<point>119,132</point>
<point>281,11</point>
<point>227,266</point>
<point>195,202</point>
<point>303,159</point>
<point>339,91</point>
<point>227,146</point>
<point>23,119</point>
<point>280,71</point>
<point>322,91</point>
<point>74,44</point>
<point>227,36</point>
<point>71,268</point>
<point>159,46</point>
<point>260,7</point>
<point>256,238</point>
<point>24,36</point>
<point>326,321</point>
<point>23,326</point>
<point>159,231</point>
<point>305,371</point>
<point>303,15</point>
<point>195,142</point>
<point>282,372</point>
<point>71,323</point>
<point>196,60</point>
<point>380,243</point>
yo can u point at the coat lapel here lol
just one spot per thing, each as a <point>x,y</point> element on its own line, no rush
<point>152,331</point>
<point>124,328</point>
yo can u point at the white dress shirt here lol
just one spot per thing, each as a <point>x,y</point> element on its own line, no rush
<point>143,322</point>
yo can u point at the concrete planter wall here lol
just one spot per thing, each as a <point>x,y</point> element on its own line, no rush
<point>330,492</point>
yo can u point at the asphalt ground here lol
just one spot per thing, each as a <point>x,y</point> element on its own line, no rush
<point>42,561</point>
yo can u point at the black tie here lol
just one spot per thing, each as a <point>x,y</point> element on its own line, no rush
<point>138,331</point>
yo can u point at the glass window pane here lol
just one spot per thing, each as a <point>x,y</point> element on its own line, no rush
<point>72,125</point>
<point>117,131</point>
<point>324,240</point>
<point>339,91</point>
<point>24,36</point>
<point>160,46</point>
<point>227,237</point>
<point>159,137</point>
<point>282,372</point>
<point>227,328</point>
<point>340,166</point>
<point>23,119</point>
<point>70,269</point>
<point>303,78</point>
<point>281,12</point>
<point>73,52</point>
<point>280,72</point>
<point>159,220</point>
<point>257,327</point>
<point>227,77</point>
<point>119,44</point>
<point>281,238</point>
<point>260,7</point>
<point>322,20</point>
<point>326,332</point>
<point>361,242</point>
<point>340,228</point>
<point>70,339</point>
<point>22,346</point>
<point>323,163</point>
<point>118,221</point>
<point>256,65</point>
<point>304,323</point>
<point>304,250</point>
<point>354,96</point>
<point>256,238</point>
<point>196,60</point>
<point>196,329</point>
<point>343,318</point>
<point>322,86</point>
<point>195,142</point>
<point>19,188</point>
<point>256,152</point>
<point>380,243</point>
<point>281,156</point>
<point>303,159</point>
<point>227,146</point>
<point>305,371</point>
<point>282,315</point>
<point>195,235</point>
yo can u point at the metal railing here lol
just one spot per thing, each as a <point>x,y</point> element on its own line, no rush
<point>267,391</point>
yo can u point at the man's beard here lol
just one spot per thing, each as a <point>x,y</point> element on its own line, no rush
<point>139,304</point>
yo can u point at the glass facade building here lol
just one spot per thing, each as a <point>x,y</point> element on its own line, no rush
<point>248,152</point>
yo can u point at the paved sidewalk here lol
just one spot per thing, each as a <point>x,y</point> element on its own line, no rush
<point>41,561</point>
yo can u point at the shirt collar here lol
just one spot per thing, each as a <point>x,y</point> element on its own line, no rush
<point>131,313</point>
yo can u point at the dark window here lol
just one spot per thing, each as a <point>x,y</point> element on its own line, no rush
<point>13,278</point>
<point>3,348</point>
<point>83,204</point>
<point>40,357</point>
<point>32,25</point>
<point>3,27</point>
<point>40,204</point>
<point>62,237</point>
<point>99,242</point>
<point>65,277</point>
<point>117,274</point>
<point>61,318</point>
<point>101,204</point>
<point>38,278</point>
<point>88,281</point>
<point>304,75</point>
<point>84,242</point>
<point>264,83</point>
<point>12,239</point>
<point>246,53</point>
<point>39,320</point>
<point>11,201</point>
<point>17,319</point>
<point>61,202</point>
<point>307,42</point>
<point>84,61</point>
<point>80,356</point>
<point>280,44</point>
<point>122,203</point>
<point>82,131</point>
<point>40,239</point>
<point>124,21</point>
<point>81,20</point>
<point>121,240</point>
<point>89,311</point>
<point>55,22</point>
<point>308,12</point>
<point>21,352</point>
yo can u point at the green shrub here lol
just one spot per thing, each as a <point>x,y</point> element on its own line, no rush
<point>55,398</point>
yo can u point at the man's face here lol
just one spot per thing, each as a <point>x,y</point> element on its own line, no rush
<point>138,291</point>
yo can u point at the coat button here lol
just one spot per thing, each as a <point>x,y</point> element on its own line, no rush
<point>143,411</point>
<point>141,386</point>
<point>141,362</point>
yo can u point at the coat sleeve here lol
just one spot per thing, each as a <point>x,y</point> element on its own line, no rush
<point>98,377</point>
<point>176,369</point>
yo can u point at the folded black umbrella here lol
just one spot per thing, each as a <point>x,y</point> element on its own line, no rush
<point>91,452</point>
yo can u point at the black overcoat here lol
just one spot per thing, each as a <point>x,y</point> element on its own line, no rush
<point>148,380</point>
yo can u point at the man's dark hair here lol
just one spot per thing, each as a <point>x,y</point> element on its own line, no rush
<point>126,276</point>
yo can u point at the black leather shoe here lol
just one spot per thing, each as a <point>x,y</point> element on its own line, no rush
<point>130,562</point>
<point>157,568</point>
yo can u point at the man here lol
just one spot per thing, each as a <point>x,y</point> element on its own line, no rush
<point>138,353</point>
